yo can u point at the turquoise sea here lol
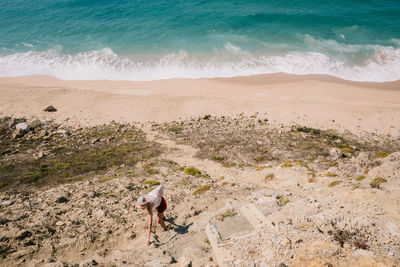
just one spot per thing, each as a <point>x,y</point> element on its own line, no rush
<point>146,40</point>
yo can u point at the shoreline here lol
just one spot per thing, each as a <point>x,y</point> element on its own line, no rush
<point>312,100</point>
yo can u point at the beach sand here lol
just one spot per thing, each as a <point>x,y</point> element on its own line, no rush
<point>277,195</point>
<point>312,100</point>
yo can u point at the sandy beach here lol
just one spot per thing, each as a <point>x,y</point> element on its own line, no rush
<point>311,100</point>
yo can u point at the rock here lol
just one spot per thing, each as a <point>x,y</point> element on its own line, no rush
<point>94,141</point>
<point>20,130</point>
<point>40,155</point>
<point>100,213</point>
<point>18,134</point>
<point>21,235</point>
<point>5,151</point>
<point>23,126</point>
<point>87,263</point>
<point>59,223</point>
<point>334,153</point>
<point>43,133</point>
<point>62,200</point>
<point>50,109</point>
<point>29,243</point>
<point>6,203</point>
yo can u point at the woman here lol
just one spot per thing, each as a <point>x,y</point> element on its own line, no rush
<point>154,200</point>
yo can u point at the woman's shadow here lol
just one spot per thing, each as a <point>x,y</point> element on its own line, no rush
<point>178,229</point>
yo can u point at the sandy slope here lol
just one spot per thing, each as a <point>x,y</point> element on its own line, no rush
<point>288,218</point>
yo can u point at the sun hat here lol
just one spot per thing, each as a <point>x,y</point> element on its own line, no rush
<point>141,200</point>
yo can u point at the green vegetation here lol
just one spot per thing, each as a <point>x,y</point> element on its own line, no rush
<point>347,150</point>
<point>201,190</point>
<point>287,165</point>
<point>334,183</point>
<point>192,171</point>
<point>329,174</point>
<point>207,241</point>
<point>282,200</point>
<point>227,214</point>
<point>376,183</point>
<point>70,157</point>
<point>218,157</point>
<point>381,154</point>
<point>301,163</point>
<point>360,178</point>
<point>105,179</point>
<point>151,182</point>
<point>175,130</point>
<point>152,171</point>
<point>309,130</point>
<point>185,181</point>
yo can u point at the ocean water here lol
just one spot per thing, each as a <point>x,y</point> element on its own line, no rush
<point>147,40</point>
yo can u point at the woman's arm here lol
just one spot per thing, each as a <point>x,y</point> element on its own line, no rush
<point>150,210</point>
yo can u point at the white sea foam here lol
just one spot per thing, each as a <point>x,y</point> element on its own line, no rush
<point>382,66</point>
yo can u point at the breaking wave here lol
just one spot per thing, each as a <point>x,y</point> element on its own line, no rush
<point>379,64</point>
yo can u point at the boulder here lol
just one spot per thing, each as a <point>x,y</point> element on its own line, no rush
<point>23,126</point>
<point>50,109</point>
<point>20,130</point>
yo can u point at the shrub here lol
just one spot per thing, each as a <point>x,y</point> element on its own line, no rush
<point>218,157</point>
<point>381,154</point>
<point>151,182</point>
<point>287,165</point>
<point>202,189</point>
<point>301,163</point>
<point>347,150</point>
<point>282,200</point>
<point>308,130</point>
<point>334,183</point>
<point>377,182</point>
<point>152,171</point>
<point>192,171</point>
<point>329,174</point>
<point>226,214</point>
<point>105,179</point>
<point>360,178</point>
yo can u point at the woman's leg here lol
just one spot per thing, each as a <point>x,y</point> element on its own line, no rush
<point>160,217</point>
